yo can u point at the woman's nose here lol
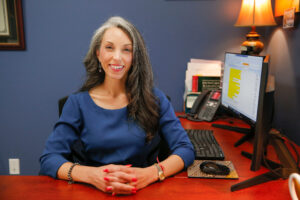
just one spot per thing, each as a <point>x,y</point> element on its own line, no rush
<point>117,55</point>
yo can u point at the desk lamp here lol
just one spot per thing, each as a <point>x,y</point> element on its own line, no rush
<point>254,13</point>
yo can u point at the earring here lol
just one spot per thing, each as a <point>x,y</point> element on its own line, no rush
<point>100,68</point>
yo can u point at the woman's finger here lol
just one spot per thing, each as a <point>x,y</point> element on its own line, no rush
<point>115,168</point>
<point>121,188</point>
<point>121,177</point>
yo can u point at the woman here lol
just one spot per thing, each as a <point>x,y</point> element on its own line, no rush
<point>119,117</point>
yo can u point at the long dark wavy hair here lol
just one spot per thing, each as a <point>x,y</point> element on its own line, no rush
<point>143,106</point>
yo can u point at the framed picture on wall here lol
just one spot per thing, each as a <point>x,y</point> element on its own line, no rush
<point>288,18</point>
<point>11,25</point>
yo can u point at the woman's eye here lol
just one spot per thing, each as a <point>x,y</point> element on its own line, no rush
<point>108,47</point>
<point>128,50</point>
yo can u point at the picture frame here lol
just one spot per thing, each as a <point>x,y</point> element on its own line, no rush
<point>11,25</point>
<point>288,18</point>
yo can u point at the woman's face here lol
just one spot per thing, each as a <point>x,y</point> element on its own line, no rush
<point>115,53</point>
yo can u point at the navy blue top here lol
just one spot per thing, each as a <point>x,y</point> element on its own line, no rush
<point>109,136</point>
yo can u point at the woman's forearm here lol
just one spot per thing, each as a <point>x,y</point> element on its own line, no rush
<point>79,173</point>
<point>172,165</point>
<point>108,178</point>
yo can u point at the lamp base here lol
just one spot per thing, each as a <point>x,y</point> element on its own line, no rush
<point>252,46</point>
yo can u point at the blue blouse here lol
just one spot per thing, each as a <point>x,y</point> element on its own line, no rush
<point>109,136</point>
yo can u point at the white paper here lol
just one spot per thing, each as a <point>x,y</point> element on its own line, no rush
<point>201,69</point>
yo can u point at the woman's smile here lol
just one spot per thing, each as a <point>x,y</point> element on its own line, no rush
<point>116,68</point>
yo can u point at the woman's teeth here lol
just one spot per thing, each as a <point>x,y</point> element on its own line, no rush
<point>117,67</point>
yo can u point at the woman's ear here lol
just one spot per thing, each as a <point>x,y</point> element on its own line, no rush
<point>98,55</point>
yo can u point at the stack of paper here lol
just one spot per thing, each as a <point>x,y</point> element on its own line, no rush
<point>202,68</point>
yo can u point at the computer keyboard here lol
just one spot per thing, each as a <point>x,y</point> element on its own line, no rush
<point>205,144</point>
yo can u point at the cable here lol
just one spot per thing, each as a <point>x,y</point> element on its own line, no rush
<point>278,134</point>
<point>291,143</point>
<point>270,168</point>
<point>295,150</point>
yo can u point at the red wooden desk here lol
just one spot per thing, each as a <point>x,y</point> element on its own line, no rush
<point>177,187</point>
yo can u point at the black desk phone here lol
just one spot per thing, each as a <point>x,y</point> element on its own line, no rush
<point>205,106</point>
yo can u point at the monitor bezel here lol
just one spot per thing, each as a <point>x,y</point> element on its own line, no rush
<point>262,126</point>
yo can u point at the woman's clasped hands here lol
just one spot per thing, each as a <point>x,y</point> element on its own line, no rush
<point>120,179</point>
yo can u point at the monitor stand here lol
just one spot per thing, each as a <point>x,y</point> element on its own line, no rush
<point>249,132</point>
<point>287,165</point>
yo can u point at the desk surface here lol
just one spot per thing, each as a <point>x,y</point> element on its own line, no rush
<point>176,187</point>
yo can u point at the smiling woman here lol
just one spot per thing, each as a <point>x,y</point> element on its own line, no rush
<point>120,119</point>
<point>11,25</point>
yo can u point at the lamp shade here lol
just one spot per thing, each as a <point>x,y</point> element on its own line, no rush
<point>256,13</point>
<point>280,6</point>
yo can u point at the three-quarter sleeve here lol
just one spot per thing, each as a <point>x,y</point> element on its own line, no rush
<point>173,132</point>
<point>65,132</point>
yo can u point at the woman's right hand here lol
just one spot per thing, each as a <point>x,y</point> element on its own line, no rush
<point>115,179</point>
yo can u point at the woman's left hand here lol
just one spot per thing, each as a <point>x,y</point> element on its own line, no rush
<point>144,176</point>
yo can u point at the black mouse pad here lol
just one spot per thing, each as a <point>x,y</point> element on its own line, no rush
<point>194,171</point>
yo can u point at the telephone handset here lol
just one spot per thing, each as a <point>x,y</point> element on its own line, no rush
<point>205,106</point>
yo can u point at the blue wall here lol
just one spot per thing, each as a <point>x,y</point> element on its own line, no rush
<point>284,48</point>
<point>57,37</point>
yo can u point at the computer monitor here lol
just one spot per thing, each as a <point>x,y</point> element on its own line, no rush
<point>243,91</point>
<point>244,94</point>
<point>242,79</point>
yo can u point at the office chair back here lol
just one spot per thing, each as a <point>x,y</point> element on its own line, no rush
<point>61,103</point>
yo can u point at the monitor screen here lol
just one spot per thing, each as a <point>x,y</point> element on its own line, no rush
<point>241,84</point>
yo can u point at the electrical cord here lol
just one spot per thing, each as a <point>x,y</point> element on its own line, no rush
<point>289,141</point>
<point>270,168</point>
<point>295,150</point>
<point>279,135</point>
